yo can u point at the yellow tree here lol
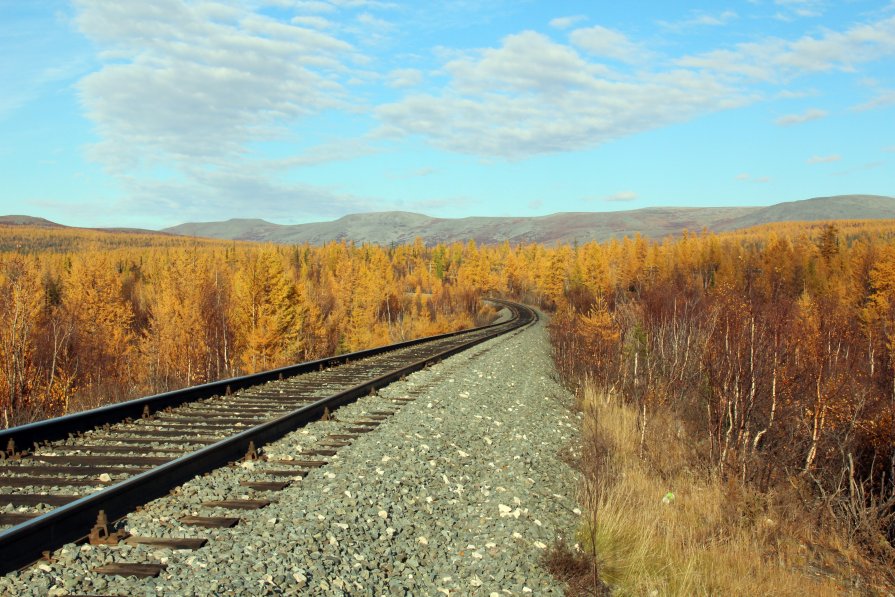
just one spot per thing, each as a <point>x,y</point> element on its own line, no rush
<point>263,311</point>
<point>20,302</point>
<point>102,338</point>
<point>880,312</point>
<point>177,334</point>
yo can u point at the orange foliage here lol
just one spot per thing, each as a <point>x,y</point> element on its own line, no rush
<point>92,317</point>
<point>776,343</point>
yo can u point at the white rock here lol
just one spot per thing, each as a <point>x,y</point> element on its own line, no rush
<point>383,514</point>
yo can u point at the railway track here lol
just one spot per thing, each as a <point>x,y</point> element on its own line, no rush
<point>63,480</point>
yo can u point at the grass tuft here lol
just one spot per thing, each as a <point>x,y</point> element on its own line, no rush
<point>661,524</point>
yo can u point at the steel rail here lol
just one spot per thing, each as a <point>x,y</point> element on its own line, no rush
<point>32,434</point>
<point>26,542</point>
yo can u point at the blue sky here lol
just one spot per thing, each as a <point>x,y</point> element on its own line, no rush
<point>150,114</point>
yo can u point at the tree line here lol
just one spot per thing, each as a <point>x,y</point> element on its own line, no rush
<point>89,318</point>
<point>775,346</point>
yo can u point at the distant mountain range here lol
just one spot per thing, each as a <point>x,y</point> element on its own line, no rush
<point>397,227</point>
<point>653,222</point>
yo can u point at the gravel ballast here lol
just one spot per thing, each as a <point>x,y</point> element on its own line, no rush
<point>460,492</point>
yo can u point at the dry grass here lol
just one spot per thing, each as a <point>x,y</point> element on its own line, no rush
<point>714,537</point>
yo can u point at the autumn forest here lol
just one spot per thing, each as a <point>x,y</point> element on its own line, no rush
<point>774,346</point>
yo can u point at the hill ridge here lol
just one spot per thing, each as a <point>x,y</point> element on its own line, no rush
<point>399,227</point>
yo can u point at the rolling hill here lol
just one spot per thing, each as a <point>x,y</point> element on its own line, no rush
<point>655,222</point>
<point>395,227</point>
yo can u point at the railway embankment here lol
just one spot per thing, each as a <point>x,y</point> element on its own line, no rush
<point>448,482</point>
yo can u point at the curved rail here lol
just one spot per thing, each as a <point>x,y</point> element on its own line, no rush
<point>25,542</point>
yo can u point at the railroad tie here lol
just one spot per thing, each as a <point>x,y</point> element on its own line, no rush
<point>34,499</point>
<point>302,463</point>
<point>14,518</point>
<point>209,522</point>
<point>282,473</point>
<point>151,570</point>
<point>240,504</point>
<point>265,485</point>
<point>74,471</point>
<point>330,443</point>
<point>49,482</point>
<point>321,452</point>
<point>168,542</point>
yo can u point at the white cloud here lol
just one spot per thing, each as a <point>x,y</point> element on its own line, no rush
<point>807,116</point>
<point>532,95</point>
<point>825,159</point>
<point>334,5</point>
<point>312,21</point>
<point>797,94</point>
<point>408,174</point>
<point>236,194</point>
<point>862,168</point>
<point>800,8</point>
<point>186,84</point>
<point>188,88</point>
<point>700,19</point>
<point>607,43</point>
<point>535,204</point>
<point>778,60</point>
<point>622,197</point>
<point>370,21</point>
<point>566,22</point>
<point>883,100</point>
<point>333,151</point>
<point>405,77</point>
<point>314,6</point>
